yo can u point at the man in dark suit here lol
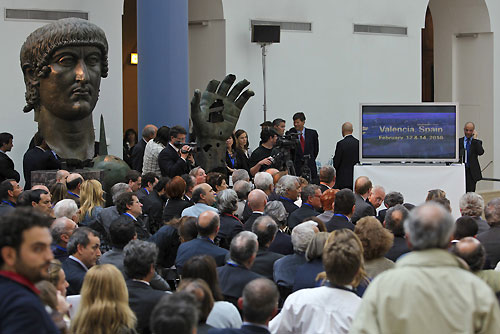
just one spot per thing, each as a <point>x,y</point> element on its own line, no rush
<point>208,225</point>
<point>148,181</point>
<point>308,146</point>
<point>311,202</point>
<point>469,149</point>
<point>39,157</point>
<point>139,265</point>
<point>257,201</point>
<point>287,189</point>
<point>83,247</point>
<point>259,305</point>
<point>362,190</point>
<point>154,203</point>
<point>394,219</point>
<point>7,170</point>
<point>343,209</point>
<point>73,183</point>
<point>148,133</point>
<point>9,192</point>
<point>265,228</point>
<point>61,230</point>
<point>121,233</point>
<point>490,238</point>
<point>391,199</point>
<point>24,256</point>
<point>327,177</point>
<point>235,274</point>
<point>346,156</point>
<point>129,208</point>
<point>175,159</point>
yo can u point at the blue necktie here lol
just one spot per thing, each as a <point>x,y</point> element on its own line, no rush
<point>467,148</point>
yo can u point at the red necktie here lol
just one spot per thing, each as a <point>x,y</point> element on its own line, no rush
<point>302,142</point>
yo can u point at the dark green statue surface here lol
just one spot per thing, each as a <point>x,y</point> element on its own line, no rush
<point>214,115</point>
<point>63,63</point>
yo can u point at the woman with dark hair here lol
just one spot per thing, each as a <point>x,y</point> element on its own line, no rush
<point>241,144</point>
<point>200,290</point>
<point>153,149</point>
<point>175,190</point>
<point>217,181</point>
<point>235,157</point>
<point>223,314</point>
<point>129,141</point>
<point>58,192</point>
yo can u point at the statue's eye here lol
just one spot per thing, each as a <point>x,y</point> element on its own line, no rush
<point>93,60</point>
<point>66,60</point>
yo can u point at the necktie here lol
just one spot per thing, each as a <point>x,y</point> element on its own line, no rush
<point>302,141</point>
<point>467,149</point>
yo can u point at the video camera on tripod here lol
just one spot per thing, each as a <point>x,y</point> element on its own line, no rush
<point>281,154</point>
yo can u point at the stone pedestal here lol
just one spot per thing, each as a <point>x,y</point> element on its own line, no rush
<point>48,177</point>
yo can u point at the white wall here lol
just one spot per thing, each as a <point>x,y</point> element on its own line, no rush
<point>107,15</point>
<point>328,72</point>
<point>463,69</point>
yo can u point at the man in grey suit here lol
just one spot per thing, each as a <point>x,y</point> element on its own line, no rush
<point>362,190</point>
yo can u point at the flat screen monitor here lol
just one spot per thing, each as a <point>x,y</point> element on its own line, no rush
<point>426,132</point>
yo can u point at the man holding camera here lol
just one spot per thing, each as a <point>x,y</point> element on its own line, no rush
<point>176,159</point>
<point>260,160</point>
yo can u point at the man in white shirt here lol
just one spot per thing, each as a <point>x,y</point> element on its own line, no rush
<point>330,308</point>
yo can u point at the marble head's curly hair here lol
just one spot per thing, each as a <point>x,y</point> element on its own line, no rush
<point>41,44</point>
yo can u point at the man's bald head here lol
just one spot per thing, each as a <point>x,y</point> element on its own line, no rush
<point>362,186</point>
<point>61,175</point>
<point>471,251</point>
<point>346,129</point>
<point>73,182</point>
<point>40,186</point>
<point>259,301</point>
<point>149,132</point>
<point>257,200</point>
<point>272,171</point>
<point>203,193</point>
<point>208,224</point>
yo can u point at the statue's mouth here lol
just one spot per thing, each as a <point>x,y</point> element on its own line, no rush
<point>81,91</point>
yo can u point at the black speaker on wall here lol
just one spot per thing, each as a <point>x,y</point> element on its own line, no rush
<point>265,33</point>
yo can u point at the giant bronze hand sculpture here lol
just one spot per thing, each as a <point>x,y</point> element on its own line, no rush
<point>215,114</point>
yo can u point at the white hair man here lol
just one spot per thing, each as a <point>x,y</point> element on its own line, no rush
<point>285,268</point>
<point>423,282</point>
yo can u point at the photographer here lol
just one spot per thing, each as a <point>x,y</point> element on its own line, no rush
<point>176,159</point>
<point>260,160</point>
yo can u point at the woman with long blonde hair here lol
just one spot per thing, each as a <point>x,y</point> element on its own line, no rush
<point>91,199</point>
<point>104,307</point>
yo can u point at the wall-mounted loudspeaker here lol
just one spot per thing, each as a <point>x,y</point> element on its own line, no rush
<point>265,34</point>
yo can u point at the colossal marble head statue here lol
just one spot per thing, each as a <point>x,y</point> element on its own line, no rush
<point>62,64</point>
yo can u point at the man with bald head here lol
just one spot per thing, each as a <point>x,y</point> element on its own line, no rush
<point>472,252</point>
<point>148,133</point>
<point>73,183</point>
<point>469,148</point>
<point>204,199</point>
<point>208,225</point>
<point>362,191</point>
<point>346,156</point>
<point>430,284</point>
<point>257,200</point>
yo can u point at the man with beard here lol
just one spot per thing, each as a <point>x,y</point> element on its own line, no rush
<point>25,257</point>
